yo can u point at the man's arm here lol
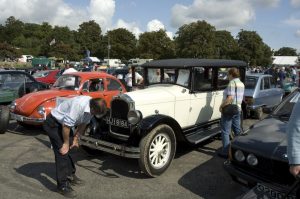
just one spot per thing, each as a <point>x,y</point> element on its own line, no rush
<point>78,132</point>
<point>66,134</point>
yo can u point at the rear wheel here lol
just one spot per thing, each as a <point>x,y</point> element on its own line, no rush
<point>4,119</point>
<point>157,150</point>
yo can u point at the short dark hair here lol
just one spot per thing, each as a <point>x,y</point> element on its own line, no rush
<point>98,105</point>
<point>234,72</point>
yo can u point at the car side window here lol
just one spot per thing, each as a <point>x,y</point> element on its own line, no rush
<point>272,83</point>
<point>202,79</point>
<point>222,78</point>
<point>95,85</point>
<point>267,83</point>
<point>113,85</point>
<point>262,84</point>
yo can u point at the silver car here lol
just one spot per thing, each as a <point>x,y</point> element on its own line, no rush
<point>260,93</point>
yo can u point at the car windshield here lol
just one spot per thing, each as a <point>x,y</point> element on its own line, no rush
<point>250,82</point>
<point>284,110</point>
<point>67,82</point>
<point>41,74</point>
<point>11,81</point>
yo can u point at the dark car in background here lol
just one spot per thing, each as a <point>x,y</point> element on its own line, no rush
<point>260,158</point>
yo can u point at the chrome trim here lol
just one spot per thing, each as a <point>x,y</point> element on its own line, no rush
<point>26,119</point>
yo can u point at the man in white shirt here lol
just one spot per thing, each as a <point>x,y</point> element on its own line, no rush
<point>69,69</point>
<point>128,79</point>
<point>75,113</point>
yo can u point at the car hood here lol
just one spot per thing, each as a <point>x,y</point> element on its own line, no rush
<point>267,138</point>
<point>28,103</point>
<point>153,95</point>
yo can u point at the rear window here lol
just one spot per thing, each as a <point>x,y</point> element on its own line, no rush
<point>250,82</point>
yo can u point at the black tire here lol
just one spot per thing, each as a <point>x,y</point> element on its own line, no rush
<point>4,119</point>
<point>258,113</point>
<point>164,133</point>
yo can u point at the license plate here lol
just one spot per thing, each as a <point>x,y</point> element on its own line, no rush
<point>271,193</point>
<point>117,122</point>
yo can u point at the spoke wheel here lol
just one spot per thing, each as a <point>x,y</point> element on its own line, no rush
<point>157,150</point>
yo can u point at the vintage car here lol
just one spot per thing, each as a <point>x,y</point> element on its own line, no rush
<point>47,76</point>
<point>181,105</point>
<point>260,158</point>
<point>32,109</point>
<point>260,93</point>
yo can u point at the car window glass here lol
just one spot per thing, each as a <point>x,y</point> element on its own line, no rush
<point>202,79</point>
<point>267,83</point>
<point>222,78</point>
<point>113,85</point>
<point>250,82</point>
<point>272,83</point>
<point>286,108</point>
<point>183,77</point>
<point>85,86</point>
<point>95,85</point>
<point>262,84</point>
<point>67,82</point>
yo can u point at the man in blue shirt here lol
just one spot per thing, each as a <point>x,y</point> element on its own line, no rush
<point>72,113</point>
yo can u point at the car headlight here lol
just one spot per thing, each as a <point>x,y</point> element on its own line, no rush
<point>252,159</point>
<point>41,110</point>
<point>13,106</point>
<point>134,117</point>
<point>239,156</point>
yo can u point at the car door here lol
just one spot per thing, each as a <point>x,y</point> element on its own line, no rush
<point>202,99</point>
<point>275,94</point>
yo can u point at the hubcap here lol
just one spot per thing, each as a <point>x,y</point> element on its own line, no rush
<point>159,152</point>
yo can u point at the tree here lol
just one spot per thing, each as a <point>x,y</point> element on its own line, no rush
<point>226,46</point>
<point>122,44</point>
<point>7,51</point>
<point>89,36</point>
<point>65,51</point>
<point>196,40</point>
<point>252,49</point>
<point>286,51</point>
<point>13,28</point>
<point>155,45</point>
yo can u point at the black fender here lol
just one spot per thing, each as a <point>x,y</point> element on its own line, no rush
<point>150,122</point>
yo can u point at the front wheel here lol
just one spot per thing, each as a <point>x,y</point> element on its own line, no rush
<point>157,150</point>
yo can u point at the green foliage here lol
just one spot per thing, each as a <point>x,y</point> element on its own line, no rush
<point>286,51</point>
<point>196,40</point>
<point>8,52</point>
<point>252,49</point>
<point>155,45</point>
<point>122,44</point>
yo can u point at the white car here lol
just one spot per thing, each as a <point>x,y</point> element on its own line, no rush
<point>181,105</point>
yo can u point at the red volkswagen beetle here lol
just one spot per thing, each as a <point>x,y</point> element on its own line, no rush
<point>33,108</point>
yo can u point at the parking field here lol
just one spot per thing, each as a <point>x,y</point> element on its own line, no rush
<point>27,171</point>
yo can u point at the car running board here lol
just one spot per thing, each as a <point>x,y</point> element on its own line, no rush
<point>202,135</point>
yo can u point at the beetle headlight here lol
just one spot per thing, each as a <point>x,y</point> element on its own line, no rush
<point>134,117</point>
<point>13,105</point>
<point>239,156</point>
<point>41,110</point>
<point>252,159</point>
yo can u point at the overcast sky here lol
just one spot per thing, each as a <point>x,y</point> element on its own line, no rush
<point>276,21</point>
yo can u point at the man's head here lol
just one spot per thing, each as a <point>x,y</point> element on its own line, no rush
<point>98,107</point>
<point>233,73</point>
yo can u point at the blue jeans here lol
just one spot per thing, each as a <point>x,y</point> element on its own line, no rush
<point>226,124</point>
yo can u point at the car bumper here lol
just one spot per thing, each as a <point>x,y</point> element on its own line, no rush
<point>117,149</point>
<point>29,120</point>
<point>250,180</point>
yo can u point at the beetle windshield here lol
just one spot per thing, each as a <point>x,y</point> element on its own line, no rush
<point>250,82</point>
<point>284,110</point>
<point>67,82</point>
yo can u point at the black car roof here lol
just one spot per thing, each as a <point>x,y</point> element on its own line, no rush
<point>190,62</point>
<point>13,71</point>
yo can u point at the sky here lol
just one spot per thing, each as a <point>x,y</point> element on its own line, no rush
<point>276,21</point>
